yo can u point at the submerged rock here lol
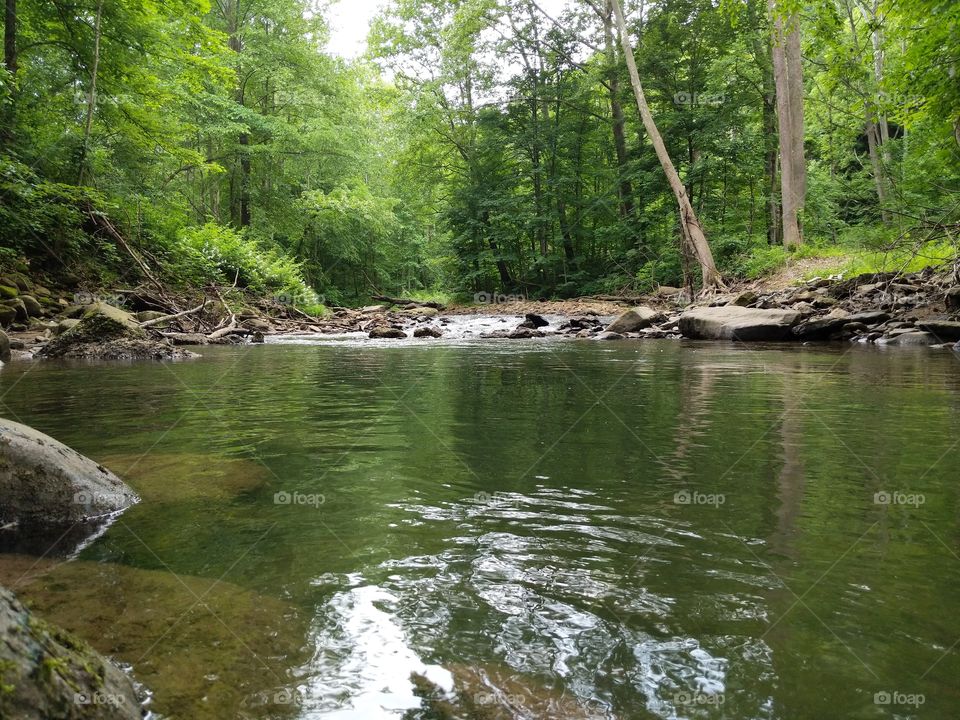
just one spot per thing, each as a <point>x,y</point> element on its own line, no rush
<point>731,322</point>
<point>46,673</point>
<point>43,482</point>
<point>108,333</point>
<point>634,319</point>
<point>202,660</point>
<point>609,335</point>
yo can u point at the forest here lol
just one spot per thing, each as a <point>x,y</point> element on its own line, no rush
<point>476,146</point>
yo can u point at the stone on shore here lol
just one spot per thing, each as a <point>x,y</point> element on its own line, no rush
<point>822,328</point>
<point>946,330</point>
<point>382,333</point>
<point>43,482</point>
<point>4,347</point>
<point>634,319</point>
<point>731,322</point>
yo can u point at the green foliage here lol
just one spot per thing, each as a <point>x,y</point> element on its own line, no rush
<point>218,254</point>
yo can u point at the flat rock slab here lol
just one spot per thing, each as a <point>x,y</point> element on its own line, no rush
<point>43,482</point>
<point>731,322</point>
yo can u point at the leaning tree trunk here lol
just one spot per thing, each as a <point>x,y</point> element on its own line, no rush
<point>788,77</point>
<point>690,226</point>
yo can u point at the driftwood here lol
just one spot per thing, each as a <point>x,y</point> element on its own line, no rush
<point>174,316</point>
<point>404,301</point>
<point>230,327</point>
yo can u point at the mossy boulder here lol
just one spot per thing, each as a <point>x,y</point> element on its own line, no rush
<point>8,291</point>
<point>4,347</point>
<point>32,305</point>
<point>47,673</point>
<point>19,309</point>
<point>7,315</point>
<point>108,333</point>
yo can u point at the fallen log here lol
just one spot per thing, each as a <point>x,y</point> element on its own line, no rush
<point>404,301</point>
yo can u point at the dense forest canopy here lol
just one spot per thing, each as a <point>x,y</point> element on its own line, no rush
<point>477,145</point>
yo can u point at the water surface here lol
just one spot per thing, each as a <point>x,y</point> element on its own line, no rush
<point>565,529</point>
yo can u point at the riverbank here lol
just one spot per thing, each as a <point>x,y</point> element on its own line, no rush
<point>918,309</point>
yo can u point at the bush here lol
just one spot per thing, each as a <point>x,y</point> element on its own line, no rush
<point>218,254</point>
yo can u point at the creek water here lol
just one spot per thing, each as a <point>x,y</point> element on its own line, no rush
<point>559,529</point>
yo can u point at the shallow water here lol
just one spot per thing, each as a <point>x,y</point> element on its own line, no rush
<point>565,529</point>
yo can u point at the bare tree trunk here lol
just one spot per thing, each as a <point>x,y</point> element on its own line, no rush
<point>788,77</point>
<point>10,62</point>
<point>625,188</point>
<point>91,95</point>
<point>691,229</point>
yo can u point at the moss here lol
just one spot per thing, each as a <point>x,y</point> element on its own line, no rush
<point>8,292</point>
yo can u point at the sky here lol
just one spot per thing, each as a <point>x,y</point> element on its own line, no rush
<point>349,21</point>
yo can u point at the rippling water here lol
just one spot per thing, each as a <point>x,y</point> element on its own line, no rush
<point>554,529</point>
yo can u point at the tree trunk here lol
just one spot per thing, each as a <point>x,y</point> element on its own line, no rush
<point>788,78</point>
<point>10,38</point>
<point>624,187</point>
<point>691,229</point>
<point>91,95</point>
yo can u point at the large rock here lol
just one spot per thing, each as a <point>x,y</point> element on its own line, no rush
<point>823,327</point>
<point>910,339</point>
<point>108,333</point>
<point>4,347</point>
<point>7,315</point>
<point>738,323</point>
<point>634,319</point>
<point>46,673</point>
<point>946,330</point>
<point>43,482</point>
<point>33,306</point>
<point>953,298</point>
<point>383,333</point>
<point>8,291</point>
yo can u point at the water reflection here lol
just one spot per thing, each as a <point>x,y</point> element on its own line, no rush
<point>553,530</point>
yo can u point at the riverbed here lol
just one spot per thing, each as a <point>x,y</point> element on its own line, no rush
<point>565,529</point>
